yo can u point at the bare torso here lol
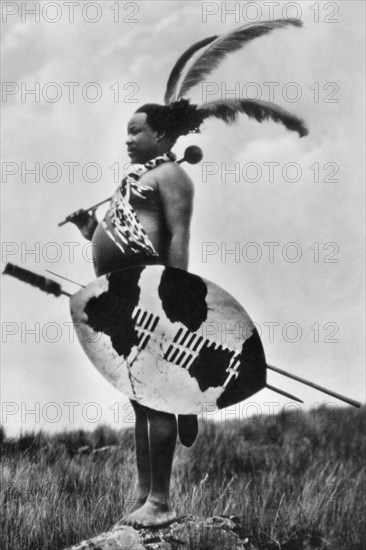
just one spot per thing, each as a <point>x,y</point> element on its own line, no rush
<point>164,213</point>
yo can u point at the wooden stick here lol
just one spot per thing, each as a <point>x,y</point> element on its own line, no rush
<point>282,392</point>
<point>87,210</point>
<point>312,385</point>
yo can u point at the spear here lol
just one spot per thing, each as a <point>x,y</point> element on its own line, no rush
<point>52,287</point>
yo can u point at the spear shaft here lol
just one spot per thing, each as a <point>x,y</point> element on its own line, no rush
<point>316,386</point>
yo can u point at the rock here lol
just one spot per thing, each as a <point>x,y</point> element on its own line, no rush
<point>186,533</point>
<point>192,532</point>
<point>123,538</point>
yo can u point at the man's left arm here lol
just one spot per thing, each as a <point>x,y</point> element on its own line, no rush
<point>176,193</point>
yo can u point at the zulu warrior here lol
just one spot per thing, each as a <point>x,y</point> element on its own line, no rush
<point>149,316</point>
<point>148,222</point>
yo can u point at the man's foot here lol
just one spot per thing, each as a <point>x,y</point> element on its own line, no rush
<point>138,503</point>
<point>151,514</point>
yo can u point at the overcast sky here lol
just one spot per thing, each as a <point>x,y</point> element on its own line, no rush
<point>303,197</point>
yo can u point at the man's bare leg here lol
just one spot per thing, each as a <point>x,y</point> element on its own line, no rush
<point>162,434</point>
<point>142,455</point>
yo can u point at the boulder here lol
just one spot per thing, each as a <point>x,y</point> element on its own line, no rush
<point>185,533</point>
<point>121,538</point>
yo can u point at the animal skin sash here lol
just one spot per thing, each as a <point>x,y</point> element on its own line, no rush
<point>128,233</point>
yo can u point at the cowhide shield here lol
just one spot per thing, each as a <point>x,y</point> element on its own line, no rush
<point>169,339</point>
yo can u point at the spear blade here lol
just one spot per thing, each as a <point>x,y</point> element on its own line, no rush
<point>46,285</point>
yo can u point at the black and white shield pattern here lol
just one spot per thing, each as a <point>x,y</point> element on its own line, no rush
<point>169,339</point>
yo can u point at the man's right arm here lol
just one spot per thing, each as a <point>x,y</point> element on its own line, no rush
<point>86,222</point>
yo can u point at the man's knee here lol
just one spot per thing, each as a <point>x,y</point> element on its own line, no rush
<point>163,424</point>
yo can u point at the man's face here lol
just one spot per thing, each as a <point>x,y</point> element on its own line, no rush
<point>142,141</point>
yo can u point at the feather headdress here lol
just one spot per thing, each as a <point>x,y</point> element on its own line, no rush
<point>201,59</point>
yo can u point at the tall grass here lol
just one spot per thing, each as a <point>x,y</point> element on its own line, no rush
<point>284,479</point>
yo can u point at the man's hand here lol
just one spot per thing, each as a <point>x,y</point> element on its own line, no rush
<point>85,221</point>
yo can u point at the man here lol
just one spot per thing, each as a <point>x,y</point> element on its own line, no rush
<point>164,210</point>
<point>148,222</point>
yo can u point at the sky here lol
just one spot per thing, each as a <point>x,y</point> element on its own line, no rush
<point>278,220</point>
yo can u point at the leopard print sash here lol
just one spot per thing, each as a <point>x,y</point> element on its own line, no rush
<point>128,233</point>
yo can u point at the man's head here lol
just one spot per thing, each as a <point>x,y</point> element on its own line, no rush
<point>154,128</point>
<point>143,142</point>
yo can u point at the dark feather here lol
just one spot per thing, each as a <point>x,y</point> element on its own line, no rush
<point>228,111</point>
<point>179,66</point>
<point>211,57</point>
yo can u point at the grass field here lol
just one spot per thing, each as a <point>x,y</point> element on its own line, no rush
<point>285,478</point>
